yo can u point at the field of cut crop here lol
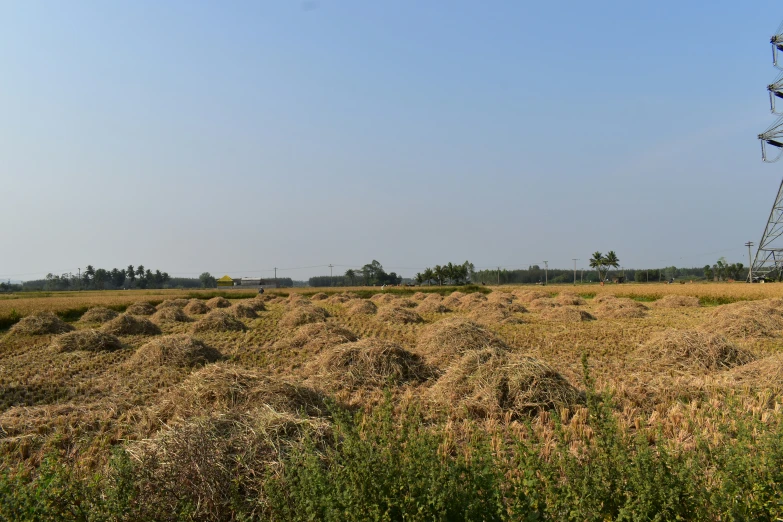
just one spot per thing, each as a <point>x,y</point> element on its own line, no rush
<point>622,402</point>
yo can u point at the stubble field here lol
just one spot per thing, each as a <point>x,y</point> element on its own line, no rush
<point>262,407</point>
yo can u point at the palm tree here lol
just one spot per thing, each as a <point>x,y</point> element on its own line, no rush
<point>611,260</point>
<point>597,261</point>
<point>419,278</point>
<point>350,274</point>
<point>438,273</point>
<point>428,275</point>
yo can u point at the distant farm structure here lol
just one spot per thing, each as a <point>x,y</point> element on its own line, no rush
<point>244,283</point>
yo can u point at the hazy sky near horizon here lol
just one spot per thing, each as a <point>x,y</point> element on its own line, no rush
<point>235,137</point>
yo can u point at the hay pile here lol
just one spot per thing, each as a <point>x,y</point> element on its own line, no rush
<point>383,299</point>
<point>621,308</point>
<point>181,351</point>
<point>450,338</point>
<point>218,302</point>
<point>196,307</point>
<point>763,374</point>
<point>361,306</point>
<point>257,304</point>
<point>219,321</point>
<point>436,298</point>
<point>492,383</point>
<point>126,324</point>
<point>543,303</point>
<point>320,296</point>
<point>86,341</point>
<point>98,314</point>
<point>338,299</point>
<point>170,314</point>
<point>471,301</point>
<point>407,303</point>
<point>527,296</point>
<point>604,298</point>
<point>500,297</point>
<point>569,299</point>
<point>368,363</point>
<point>494,313</point>
<point>177,303</point>
<point>246,310</point>
<point>317,336</point>
<point>566,314</point>
<point>692,349</point>
<point>140,308</point>
<point>452,302</point>
<point>431,307</point>
<point>224,387</point>
<point>296,300</point>
<point>747,319</point>
<point>303,314</point>
<point>419,296</point>
<point>676,301</point>
<point>398,315</point>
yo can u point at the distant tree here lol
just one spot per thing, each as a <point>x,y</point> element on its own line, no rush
<point>100,278</point>
<point>709,273</point>
<point>207,281</point>
<point>350,275</point>
<point>118,277</point>
<point>140,271</point>
<point>165,277</point>
<point>598,262</point>
<point>611,260</point>
<point>428,275</point>
<point>419,278</point>
<point>439,274</point>
<point>130,274</point>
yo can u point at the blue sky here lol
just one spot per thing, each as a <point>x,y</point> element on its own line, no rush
<point>235,137</point>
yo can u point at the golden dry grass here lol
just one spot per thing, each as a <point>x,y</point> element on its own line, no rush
<point>98,314</point>
<point>41,323</point>
<point>219,321</point>
<point>130,325</point>
<point>87,341</point>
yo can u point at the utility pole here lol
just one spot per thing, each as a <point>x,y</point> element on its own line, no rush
<point>582,276</point>
<point>80,278</point>
<point>750,262</point>
<point>546,273</point>
<point>331,281</point>
<point>575,260</point>
<point>498,276</point>
<point>275,277</point>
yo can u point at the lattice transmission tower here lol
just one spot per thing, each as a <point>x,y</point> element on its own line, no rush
<point>768,262</point>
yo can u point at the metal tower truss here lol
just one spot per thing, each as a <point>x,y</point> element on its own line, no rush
<point>777,45</point>
<point>775,91</point>
<point>768,262</point>
<point>773,137</point>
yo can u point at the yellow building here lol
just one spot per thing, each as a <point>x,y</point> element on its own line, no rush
<point>225,281</point>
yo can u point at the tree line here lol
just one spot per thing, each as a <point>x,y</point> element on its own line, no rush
<point>371,274</point>
<point>447,274</point>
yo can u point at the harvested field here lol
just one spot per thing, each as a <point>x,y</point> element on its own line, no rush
<point>126,324</point>
<point>368,363</point>
<point>471,301</point>
<point>494,313</point>
<point>174,350</point>
<point>505,298</point>
<point>568,299</point>
<point>398,315</point>
<point>492,383</point>
<point>86,341</point>
<point>219,321</point>
<point>384,299</point>
<point>314,337</point>
<point>621,308</point>
<point>543,303</point>
<point>43,323</point>
<point>98,314</point>
<point>176,303</point>
<point>747,319</point>
<point>527,296</point>
<point>431,307</point>
<point>320,296</point>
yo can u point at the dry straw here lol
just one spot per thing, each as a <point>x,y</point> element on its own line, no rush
<point>543,303</point>
<point>196,307</point>
<point>677,301</point>
<point>315,337</point>
<point>246,310</point>
<point>170,314</point>
<point>219,321</point>
<point>219,302</point>
<point>140,308</point>
<point>383,299</point>
<point>494,313</point>
<point>176,303</point>
<point>500,297</point>
<point>431,307</point>
<point>419,296</point>
<point>98,314</point>
<point>527,296</point>
<point>368,363</point>
<point>87,341</point>
<point>450,338</point>
<point>320,296</point>
<point>763,374</point>
<point>180,351</point>
<point>691,350</point>
<point>566,314</point>
<point>492,383</point>
<point>621,308</point>
<point>747,319</point>
<point>569,299</point>
<point>361,306</point>
<point>303,314</point>
<point>471,301</point>
<point>398,315</point>
<point>130,325</point>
